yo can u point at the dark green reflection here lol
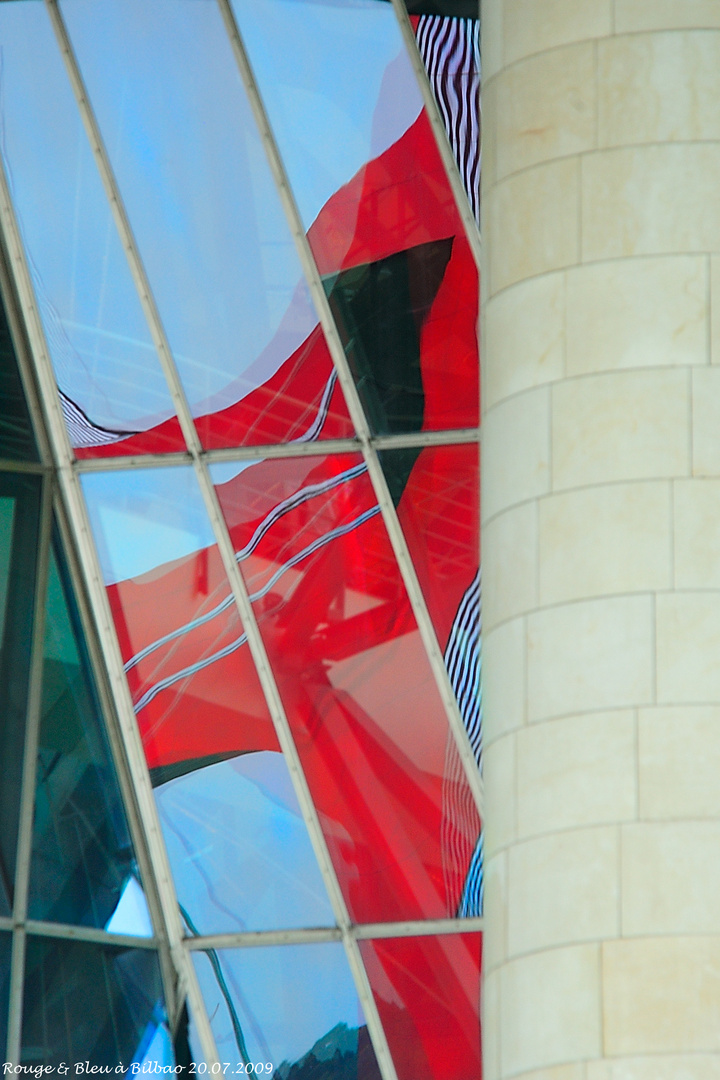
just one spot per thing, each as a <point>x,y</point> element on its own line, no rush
<point>5,951</point>
<point>87,1002</point>
<point>16,435</point>
<point>380,308</point>
<point>19,524</point>
<point>82,854</point>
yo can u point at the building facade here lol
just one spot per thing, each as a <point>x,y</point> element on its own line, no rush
<point>241,802</point>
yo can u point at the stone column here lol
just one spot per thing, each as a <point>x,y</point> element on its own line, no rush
<point>601,538</point>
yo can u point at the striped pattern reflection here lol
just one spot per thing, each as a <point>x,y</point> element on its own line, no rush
<point>450,49</point>
<point>463,662</point>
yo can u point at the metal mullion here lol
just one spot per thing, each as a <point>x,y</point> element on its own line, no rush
<point>357,414</point>
<point>41,928</point>
<point>29,772</point>
<point>97,596</point>
<point>297,774</point>
<point>32,467</point>
<point>117,749</point>
<point>439,131</point>
<point>249,939</point>
<point>418,439</point>
<point>117,207</point>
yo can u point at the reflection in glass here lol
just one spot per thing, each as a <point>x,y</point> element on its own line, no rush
<point>427,991</point>
<point>355,681</point>
<point>257,870</point>
<point>83,867</point>
<point>5,953</point>
<point>253,996</point>
<point>237,843</point>
<point>89,1002</point>
<point>105,364</point>
<point>208,221</point>
<point>16,434</point>
<point>19,525</point>
<point>376,203</point>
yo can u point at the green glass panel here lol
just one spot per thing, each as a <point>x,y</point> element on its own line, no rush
<point>19,523</point>
<point>83,866</point>
<point>16,434</point>
<point>5,952</point>
<point>87,1002</point>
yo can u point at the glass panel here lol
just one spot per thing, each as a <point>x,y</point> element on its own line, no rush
<point>257,870</point>
<point>16,434</point>
<point>199,706</point>
<point>375,199</point>
<point>252,998</point>
<point>19,523</point>
<point>90,1002</point>
<point>208,221</point>
<point>356,683</point>
<point>436,491</point>
<point>448,38</point>
<point>83,869</point>
<point>427,991</point>
<point>110,379</point>
<point>5,953</point>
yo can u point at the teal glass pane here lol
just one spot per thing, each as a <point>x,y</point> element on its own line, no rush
<point>87,1002</point>
<point>19,521</point>
<point>5,952</point>
<point>289,1010</point>
<point>16,435</point>
<point>83,869</point>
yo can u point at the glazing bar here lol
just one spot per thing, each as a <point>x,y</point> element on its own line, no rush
<point>375,472</point>
<point>436,122</point>
<point>365,932</point>
<point>89,558</point>
<point>29,771</point>
<point>75,508</point>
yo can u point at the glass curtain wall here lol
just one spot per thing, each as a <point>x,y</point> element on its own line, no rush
<point>245,252</point>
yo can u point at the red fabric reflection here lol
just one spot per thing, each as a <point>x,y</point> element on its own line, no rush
<point>397,201</point>
<point>428,994</point>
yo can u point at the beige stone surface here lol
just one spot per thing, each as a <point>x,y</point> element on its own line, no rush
<point>491,48</point>
<point>665,1067</point>
<point>678,762</point>
<point>631,15</point>
<point>503,679</point>
<point>524,337</point>
<point>491,1025</point>
<point>661,995</point>
<point>546,108</point>
<point>510,564</point>
<point>562,889</point>
<point>573,1071</point>
<point>550,1009</point>
<point>530,27</point>
<point>627,425</point>
<point>688,647</point>
<point>637,313</point>
<point>499,773</point>
<point>714,263</point>
<point>588,656</point>
<point>489,147</point>
<point>649,200</point>
<point>516,442</point>
<point>576,772</point>
<point>604,540</point>
<point>494,910</point>
<point>706,421</point>
<point>671,878</point>
<point>696,514</point>
<point>659,88</point>
<point>533,222</point>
